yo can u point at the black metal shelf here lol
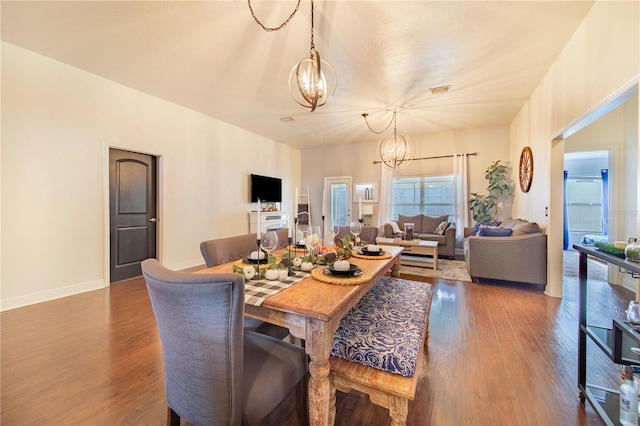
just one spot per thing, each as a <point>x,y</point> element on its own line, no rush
<point>605,402</point>
<point>616,342</point>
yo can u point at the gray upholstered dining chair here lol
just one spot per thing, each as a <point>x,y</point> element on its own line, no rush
<point>283,238</point>
<point>368,234</point>
<point>231,249</point>
<point>216,373</point>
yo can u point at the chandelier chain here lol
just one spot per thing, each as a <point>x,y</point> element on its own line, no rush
<point>279,27</point>
<point>393,120</point>
<point>313,45</point>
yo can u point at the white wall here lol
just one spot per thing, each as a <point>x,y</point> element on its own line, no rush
<point>58,122</point>
<point>601,58</point>
<point>614,133</point>
<point>356,160</point>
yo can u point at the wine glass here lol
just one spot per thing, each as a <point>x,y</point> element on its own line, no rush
<point>313,240</point>
<point>356,229</point>
<point>334,230</point>
<point>269,242</point>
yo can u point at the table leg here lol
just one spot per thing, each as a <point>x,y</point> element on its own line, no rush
<point>395,268</point>
<point>319,341</point>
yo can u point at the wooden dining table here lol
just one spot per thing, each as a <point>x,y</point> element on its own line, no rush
<point>312,310</point>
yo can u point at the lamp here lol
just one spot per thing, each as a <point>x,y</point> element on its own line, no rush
<point>394,150</point>
<point>312,81</point>
<point>367,212</point>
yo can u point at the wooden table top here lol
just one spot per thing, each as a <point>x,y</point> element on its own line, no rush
<point>314,299</point>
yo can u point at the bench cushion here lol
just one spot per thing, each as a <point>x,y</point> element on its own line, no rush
<point>385,329</point>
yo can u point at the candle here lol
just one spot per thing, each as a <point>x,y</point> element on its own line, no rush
<point>324,210</point>
<point>290,215</point>
<point>295,211</point>
<point>258,220</point>
<point>360,208</point>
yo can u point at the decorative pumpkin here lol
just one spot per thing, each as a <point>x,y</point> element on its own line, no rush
<point>271,274</point>
<point>341,265</point>
<point>307,266</point>
<point>248,272</point>
<point>296,262</point>
<point>254,255</point>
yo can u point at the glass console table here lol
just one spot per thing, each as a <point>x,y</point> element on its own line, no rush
<point>615,342</point>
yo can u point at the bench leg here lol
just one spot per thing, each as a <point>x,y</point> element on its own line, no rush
<point>398,410</point>
<point>332,403</point>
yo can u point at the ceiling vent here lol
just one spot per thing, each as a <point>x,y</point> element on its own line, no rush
<point>440,90</point>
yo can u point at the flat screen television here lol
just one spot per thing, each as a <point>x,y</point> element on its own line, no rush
<point>265,188</point>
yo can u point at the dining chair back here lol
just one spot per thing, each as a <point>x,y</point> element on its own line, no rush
<point>231,249</point>
<point>283,238</point>
<point>216,373</point>
<point>368,234</point>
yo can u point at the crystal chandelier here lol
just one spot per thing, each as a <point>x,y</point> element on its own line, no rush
<point>394,150</point>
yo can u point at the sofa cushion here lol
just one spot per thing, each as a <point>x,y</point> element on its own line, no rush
<point>416,220</point>
<point>524,228</point>
<point>494,231</point>
<point>441,228</point>
<point>430,223</point>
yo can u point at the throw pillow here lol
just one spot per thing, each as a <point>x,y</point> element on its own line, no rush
<point>395,228</point>
<point>478,225</point>
<point>442,228</point>
<point>525,228</point>
<point>430,223</point>
<point>490,231</point>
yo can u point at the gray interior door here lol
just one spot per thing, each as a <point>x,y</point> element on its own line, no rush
<point>132,199</point>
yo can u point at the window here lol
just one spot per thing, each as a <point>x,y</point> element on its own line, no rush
<point>430,195</point>
<point>584,205</point>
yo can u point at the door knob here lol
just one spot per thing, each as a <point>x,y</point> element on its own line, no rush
<point>153,219</point>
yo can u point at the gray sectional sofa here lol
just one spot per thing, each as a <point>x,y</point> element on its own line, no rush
<point>425,228</point>
<point>513,250</point>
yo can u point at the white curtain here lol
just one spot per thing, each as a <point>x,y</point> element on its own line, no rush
<point>386,180</point>
<point>460,194</point>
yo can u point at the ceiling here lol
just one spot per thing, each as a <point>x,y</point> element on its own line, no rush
<point>212,57</point>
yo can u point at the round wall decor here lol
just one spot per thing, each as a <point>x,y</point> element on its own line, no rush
<point>526,169</point>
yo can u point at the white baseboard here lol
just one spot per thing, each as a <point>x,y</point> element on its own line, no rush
<point>32,299</point>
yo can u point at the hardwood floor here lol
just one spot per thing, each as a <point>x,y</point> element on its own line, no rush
<point>497,355</point>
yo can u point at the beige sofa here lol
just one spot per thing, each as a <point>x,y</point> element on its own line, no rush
<point>425,229</point>
<point>520,257</point>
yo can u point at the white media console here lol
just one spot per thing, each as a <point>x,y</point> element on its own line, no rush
<point>270,221</point>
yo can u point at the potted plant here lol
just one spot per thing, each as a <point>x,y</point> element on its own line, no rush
<point>484,207</point>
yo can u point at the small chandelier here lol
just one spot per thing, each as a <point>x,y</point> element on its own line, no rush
<point>312,81</point>
<point>394,150</point>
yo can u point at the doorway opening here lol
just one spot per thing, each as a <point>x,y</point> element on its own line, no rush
<point>338,194</point>
<point>586,196</point>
